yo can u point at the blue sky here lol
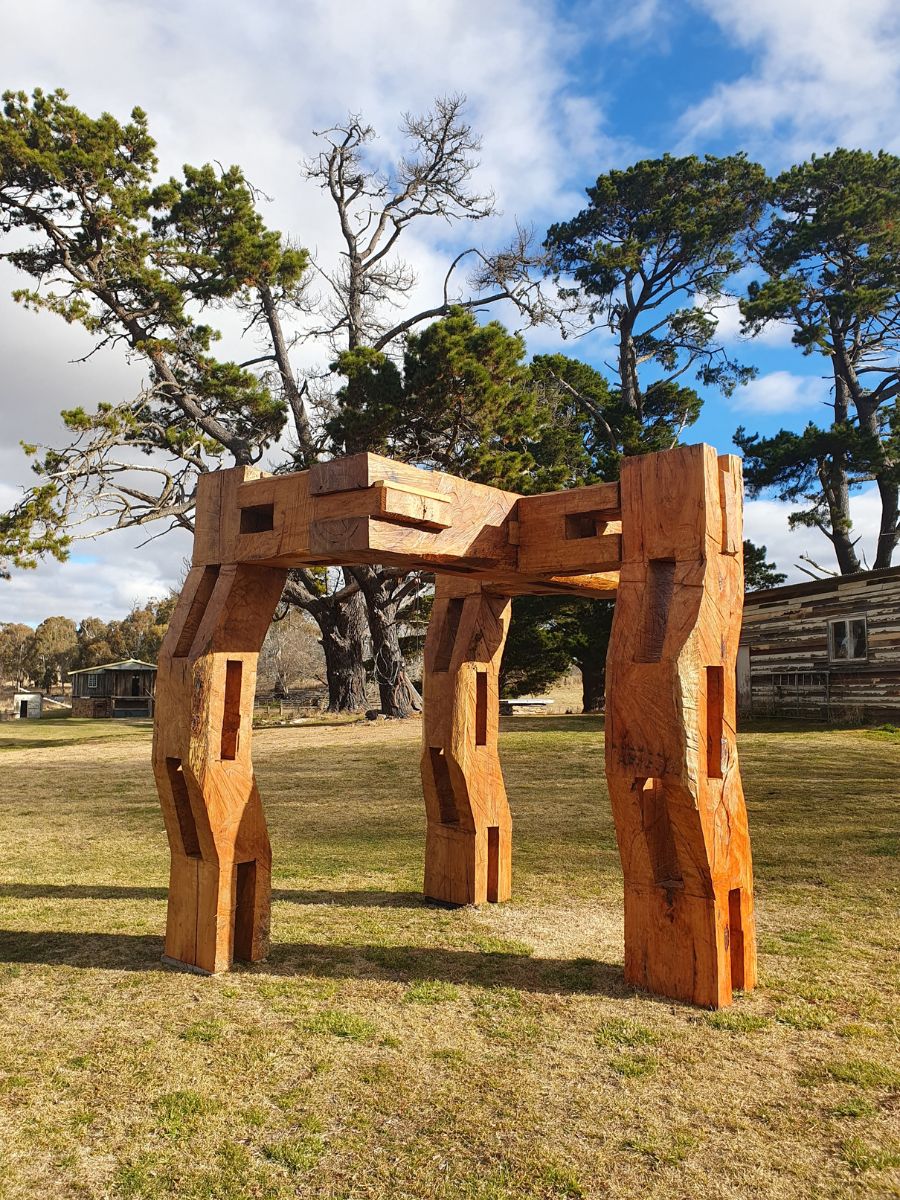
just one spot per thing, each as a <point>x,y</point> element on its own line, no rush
<point>560,92</point>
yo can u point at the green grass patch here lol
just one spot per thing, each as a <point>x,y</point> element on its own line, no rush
<point>863,1073</point>
<point>297,1154</point>
<point>431,991</point>
<point>862,1156</point>
<point>730,1021</point>
<point>620,1031</point>
<point>341,1025</point>
<point>663,1152</point>
<point>202,1031</point>
<point>178,1113</point>
<point>634,1066</point>
<point>802,1016</point>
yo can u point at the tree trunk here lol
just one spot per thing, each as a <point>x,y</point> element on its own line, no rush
<point>836,487</point>
<point>396,690</point>
<point>628,377</point>
<point>343,628</point>
<point>883,472</point>
<point>593,683</point>
<point>837,495</point>
<point>889,532</point>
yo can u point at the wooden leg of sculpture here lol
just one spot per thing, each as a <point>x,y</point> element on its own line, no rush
<point>220,881</point>
<point>467,848</point>
<point>671,759</point>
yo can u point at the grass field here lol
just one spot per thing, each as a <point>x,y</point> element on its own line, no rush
<point>393,1049</point>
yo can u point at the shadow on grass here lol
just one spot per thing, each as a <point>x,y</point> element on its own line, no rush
<point>50,743</point>
<point>97,891</point>
<point>572,723</point>
<point>308,723</point>
<point>403,964</point>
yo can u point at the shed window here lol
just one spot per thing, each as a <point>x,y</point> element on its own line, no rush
<point>847,641</point>
<point>92,681</point>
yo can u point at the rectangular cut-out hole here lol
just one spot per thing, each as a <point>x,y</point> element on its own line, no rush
<point>493,863</point>
<point>729,505</point>
<point>723,506</point>
<point>715,715</point>
<point>736,937</point>
<point>258,518</point>
<point>481,708</point>
<point>657,828</point>
<point>443,785</point>
<point>580,525</point>
<point>657,599</point>
<point>231,716</point>
<point>187,826</point>
<point>198,607</point>
<point>244,910</point>
<point>449,630</point>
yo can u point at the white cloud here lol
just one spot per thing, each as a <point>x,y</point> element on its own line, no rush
<point>634,21</point>
<point>222,83</point>
<point>825,72</point>
<point>103,579</point>
<point>766,524</point>
<point>781,392</point>
<point>777,334</point>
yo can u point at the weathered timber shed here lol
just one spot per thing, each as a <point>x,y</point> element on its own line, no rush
<point>828,649</point>
<point>119,689</point>
<point>28,705</point>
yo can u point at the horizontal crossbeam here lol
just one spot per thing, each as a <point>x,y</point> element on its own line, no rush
<point>369,509</point>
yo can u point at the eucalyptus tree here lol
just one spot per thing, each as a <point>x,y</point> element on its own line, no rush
<point>14,642</point>
<point>367,306</point>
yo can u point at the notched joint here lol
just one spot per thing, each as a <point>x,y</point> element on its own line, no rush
<point>257,518</point>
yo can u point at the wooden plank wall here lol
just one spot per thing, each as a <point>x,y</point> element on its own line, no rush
<point>786,631</point>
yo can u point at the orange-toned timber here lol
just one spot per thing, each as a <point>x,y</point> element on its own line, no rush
<point>219,882</point>
<point>668,540</point>
<point>467,843</point>
<point>671,759</point>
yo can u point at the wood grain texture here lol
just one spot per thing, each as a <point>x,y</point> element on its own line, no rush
<point>468,837</point>
<point>671,758</point>
<point>367,509</point>
<point>570,532</point>
<point>668,539</point>
<point>219,883</point>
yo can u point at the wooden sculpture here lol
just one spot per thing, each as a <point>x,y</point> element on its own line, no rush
<point>666,539</point>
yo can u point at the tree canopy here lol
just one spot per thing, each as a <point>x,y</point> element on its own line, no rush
<point>831,256</point>
<point>152,265</point>
<point>655,241</point>
<point>759,573</point>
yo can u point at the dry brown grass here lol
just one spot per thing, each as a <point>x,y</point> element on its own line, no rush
<point>396,1050</point>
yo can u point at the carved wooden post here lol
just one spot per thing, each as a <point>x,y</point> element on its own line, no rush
<point>671,760</point>
<point>467,849</point>
<point>220,880</point>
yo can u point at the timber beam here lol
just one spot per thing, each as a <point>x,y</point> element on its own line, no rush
<point>666,542</point>
<point>369,509</point>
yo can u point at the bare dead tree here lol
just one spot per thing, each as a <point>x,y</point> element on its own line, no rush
<point>366,297</point>
<point>142,266</point>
